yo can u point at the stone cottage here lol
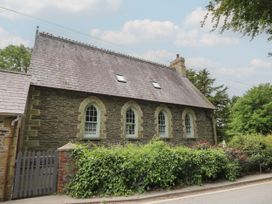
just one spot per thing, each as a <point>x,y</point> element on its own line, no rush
<point>79,92</point>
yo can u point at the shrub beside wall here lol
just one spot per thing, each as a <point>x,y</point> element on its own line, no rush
<point>138,168</point>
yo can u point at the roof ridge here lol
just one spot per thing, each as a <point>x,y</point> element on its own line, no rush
<point>14,72</point>
<point>108,51</point>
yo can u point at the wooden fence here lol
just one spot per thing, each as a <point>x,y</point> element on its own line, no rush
<point>35,174</point>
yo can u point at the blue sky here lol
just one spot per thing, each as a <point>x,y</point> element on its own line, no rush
<point>152,29</point>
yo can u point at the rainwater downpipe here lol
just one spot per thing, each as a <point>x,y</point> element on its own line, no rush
<point>10,137</point>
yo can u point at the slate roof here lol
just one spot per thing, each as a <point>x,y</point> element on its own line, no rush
<point>66,64</point>
<point>14,89</point>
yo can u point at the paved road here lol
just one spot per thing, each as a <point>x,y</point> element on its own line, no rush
<point>251,194</point>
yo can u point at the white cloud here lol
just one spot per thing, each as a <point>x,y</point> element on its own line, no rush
<point>254,68</point>
<point>260,63</point>
<point>213,39</point>
<point>160,56</point>
<point>188,34</point>
<point>192,35</point>
<point>71,6</point>
<point>237,78</point>
<point>199,63</point>
<point>195,38</point>
<point>115,36</point>
<point>136,31</point>
<point>152,29</point>
<point>187,38</point>
<point>195,18</point>
<point>7,39</point>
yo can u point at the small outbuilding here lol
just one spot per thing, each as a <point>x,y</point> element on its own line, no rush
<point>14,89</point>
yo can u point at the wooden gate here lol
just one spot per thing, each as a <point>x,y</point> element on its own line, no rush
<point>35,174</point>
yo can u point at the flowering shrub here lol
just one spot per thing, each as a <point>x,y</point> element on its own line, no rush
<point>201,145</point>
<point>253,152</point>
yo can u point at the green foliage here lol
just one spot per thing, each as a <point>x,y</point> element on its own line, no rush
<point>268,140</point>
<point>137,168</point>
<point>252,113</point>
<point>250,17</point>
<point>253,143</point>
<point>256,150</point>
<point>216,94</point>
<point>15,58</point>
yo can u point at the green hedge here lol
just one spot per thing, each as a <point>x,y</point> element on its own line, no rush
<point>137,168</point>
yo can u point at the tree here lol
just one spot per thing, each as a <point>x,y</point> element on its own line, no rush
<point>216,94</point>
<point>233,100</point>
<point>250,17</point>
<point>252,113</point>
<point>15,58</point>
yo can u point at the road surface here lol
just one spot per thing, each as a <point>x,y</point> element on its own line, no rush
<point>260,193</point>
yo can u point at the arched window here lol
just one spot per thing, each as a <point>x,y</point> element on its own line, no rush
<point>131,120</point>
<point>92,119</point>
<point>189,125</point>
<point>163,124</point>
<point>131,123</point>
<point>92,122</point>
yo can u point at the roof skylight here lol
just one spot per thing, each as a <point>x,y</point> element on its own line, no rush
<point>156,85</point>
<point>121,78</point>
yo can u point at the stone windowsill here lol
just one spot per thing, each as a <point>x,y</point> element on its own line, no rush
<point>165,138</point>
<point>190,138</point>
<point>133,138</point>
<point>92,139</point>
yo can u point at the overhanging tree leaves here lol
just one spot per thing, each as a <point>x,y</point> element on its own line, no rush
<point>216,94</point>
<point>15,58</point>
<point>252,113</point>
<point>250,17</point>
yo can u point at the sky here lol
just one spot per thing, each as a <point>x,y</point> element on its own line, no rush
<point>155,30</point>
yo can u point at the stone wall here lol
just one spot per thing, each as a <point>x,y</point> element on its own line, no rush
<point>52,119</point>
<point>7,156</point>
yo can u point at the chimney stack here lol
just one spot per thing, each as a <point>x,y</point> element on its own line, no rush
<point>179,65</point>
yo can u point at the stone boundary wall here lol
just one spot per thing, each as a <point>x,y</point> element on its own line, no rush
<point>66,167</point>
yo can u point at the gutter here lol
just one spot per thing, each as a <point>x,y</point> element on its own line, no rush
<point>15,133</point>
<point>15,120</point>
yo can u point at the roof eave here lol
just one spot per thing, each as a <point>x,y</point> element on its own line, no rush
<point>10,114</point>
<point>212,107</point>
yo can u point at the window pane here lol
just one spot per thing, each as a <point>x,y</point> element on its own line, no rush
<point>91,121</point>
<point>188,125</point>
<point>121,78</point>
<point>162,124</point>
<point>156,84</point>
<point>130,122</point>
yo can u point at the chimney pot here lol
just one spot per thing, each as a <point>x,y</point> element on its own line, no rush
<point>179,65</point>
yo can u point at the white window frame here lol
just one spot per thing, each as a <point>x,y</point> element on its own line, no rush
<point>166,135</point>
<point>97,134</point>
<point>135,135</point>
<point>191,121</point>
